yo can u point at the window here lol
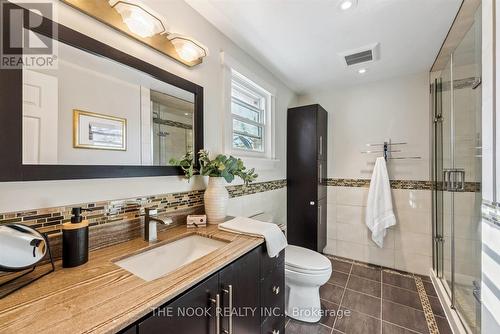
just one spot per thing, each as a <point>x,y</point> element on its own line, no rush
<point>250,116</point>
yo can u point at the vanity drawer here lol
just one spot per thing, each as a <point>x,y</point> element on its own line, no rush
<point>268,264</point>
<point>274,325</point>
<point>272,292</point>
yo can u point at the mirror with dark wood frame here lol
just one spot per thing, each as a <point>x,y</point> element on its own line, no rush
<point>97,113</point>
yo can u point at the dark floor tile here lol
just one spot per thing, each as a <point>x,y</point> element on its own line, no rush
<point>359,302</point>
<point>338,278</point>
<point>363,285</point>
<point>429,289</point>
<point>399,281</point>
<point>401,296</point>
<point>331,293</point>
<point>341,266</point>
<point>437,309</point>
<point>329,312</point>
<point>357,323</point>
<point>443,325</point>
<point>388,328</point>
<point>298,327</point>
<point>366,272</point>
<point>404,316</point>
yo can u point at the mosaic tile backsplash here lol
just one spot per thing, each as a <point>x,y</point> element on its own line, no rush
<point>49,220</point>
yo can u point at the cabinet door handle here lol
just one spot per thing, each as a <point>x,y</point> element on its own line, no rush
<point>276,290</point>
<point>229,291</point>
<point>321,145</point>
<point>216,301</point>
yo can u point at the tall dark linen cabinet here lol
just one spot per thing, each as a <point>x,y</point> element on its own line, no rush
<point>307,134</point>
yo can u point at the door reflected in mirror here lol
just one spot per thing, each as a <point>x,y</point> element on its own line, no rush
<point>94,111</point>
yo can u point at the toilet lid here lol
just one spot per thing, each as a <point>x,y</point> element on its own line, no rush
<point>305,259</point>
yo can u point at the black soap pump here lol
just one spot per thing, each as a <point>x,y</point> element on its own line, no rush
<point>75,240</point>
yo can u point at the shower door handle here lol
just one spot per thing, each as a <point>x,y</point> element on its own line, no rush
<point>454,179</point>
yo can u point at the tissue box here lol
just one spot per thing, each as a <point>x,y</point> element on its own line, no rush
<point>196,221</point>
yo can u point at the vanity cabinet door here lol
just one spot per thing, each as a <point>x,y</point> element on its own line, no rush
<point>177,316</point>
<point>239,286</point>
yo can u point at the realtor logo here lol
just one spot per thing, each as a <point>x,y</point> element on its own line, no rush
<point>25,28</point>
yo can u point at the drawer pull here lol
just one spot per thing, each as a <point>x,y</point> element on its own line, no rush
<point>216,301</point>
<point>276,290</point>
<point>229,291</point>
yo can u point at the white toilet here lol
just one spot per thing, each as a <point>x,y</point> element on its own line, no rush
<point>305,272</point>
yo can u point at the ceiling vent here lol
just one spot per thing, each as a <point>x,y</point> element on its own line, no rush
<point>364,55</point>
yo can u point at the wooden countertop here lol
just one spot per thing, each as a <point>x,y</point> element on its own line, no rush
<point>100,297</point>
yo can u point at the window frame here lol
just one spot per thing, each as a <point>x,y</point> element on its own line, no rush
<point>244,83</point>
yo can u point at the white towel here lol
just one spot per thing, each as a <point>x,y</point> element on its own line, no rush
<point>275,239</point>
<point>379,214</point>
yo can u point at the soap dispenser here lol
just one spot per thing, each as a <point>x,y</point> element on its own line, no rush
<point>75,240</point>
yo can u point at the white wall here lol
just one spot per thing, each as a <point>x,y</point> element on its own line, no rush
<point>396,109</point>
<point>490,259</point>
<point>182,18</point>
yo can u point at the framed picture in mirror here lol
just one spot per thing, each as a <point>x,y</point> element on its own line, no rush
<point>98,131</point>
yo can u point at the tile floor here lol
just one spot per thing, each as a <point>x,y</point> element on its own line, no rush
<point>374,300</point>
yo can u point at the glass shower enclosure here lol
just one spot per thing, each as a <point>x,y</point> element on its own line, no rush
<point>456,170</point>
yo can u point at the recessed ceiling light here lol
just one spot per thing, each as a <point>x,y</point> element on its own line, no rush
<point>362,71</point>
<point>347,4</point>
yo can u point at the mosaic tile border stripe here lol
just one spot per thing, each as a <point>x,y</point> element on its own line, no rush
<point>50,220</point>
<point>254,188</point>
<point>398,184</point>
<point>426,306</point>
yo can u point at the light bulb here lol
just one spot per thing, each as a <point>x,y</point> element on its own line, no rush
<point>187,49</point>
<point>362,71</point>
<point>345,5</point>
<point>138,20</point>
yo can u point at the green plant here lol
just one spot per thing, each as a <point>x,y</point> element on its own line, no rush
<point>222,166</point>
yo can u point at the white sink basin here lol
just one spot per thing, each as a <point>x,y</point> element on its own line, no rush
<point>162,260</point>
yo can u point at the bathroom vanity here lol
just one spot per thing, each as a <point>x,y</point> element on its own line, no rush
<point>252,286</point>
<point>102,297</point>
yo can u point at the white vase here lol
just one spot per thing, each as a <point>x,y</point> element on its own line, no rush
<point>216,199</point>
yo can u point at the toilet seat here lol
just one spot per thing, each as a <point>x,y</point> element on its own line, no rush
<point>303,260</point>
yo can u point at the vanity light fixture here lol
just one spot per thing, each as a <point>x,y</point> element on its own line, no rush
<point>139,18</point>
<point>140,22</point>
<point>347,4</point>
<point>187,48</point>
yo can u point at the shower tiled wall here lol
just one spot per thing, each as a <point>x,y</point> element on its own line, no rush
<point>408,244</point>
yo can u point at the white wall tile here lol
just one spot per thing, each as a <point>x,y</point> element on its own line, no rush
<point>415,263</point>
<point>351,250</point>
<point>410,238</point>
<point>413,243</point>
<point>380,256</point>
<point>352,196</point>
<point>348,214</point>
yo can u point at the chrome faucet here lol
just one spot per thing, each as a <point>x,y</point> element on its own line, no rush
<point>150,233</point>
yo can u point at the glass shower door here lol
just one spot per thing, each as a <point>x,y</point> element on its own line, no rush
<point>466,74</point>
<point>457,176</point>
